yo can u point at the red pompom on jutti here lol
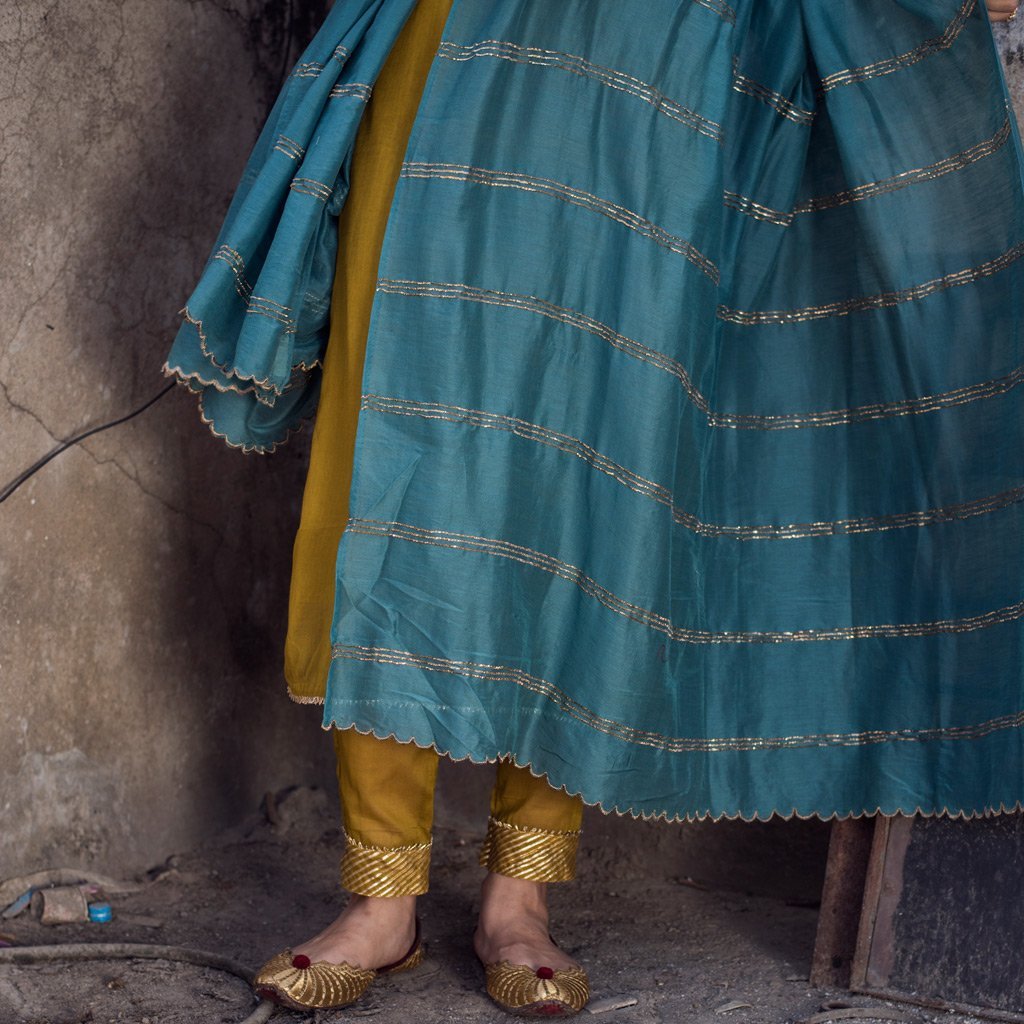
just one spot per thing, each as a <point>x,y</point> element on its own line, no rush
<point>301,961</point>
<point>545,972</point>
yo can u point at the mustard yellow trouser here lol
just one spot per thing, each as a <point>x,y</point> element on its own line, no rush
<point>387,800</point>
<point>387,788</point>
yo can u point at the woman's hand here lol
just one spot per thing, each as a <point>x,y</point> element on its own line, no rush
<point>1002,10</point>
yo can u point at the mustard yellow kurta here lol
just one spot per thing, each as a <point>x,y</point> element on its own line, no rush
<point>377,160</point>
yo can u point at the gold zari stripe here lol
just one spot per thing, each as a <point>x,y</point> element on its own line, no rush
<point>358,89</point>
<point>533,854</point>
<point>310,187</point>
<point>566,194</point>
<point>721,8</point>
<point>734,420</point>
<point>957,162</point>
<point>533,55</point>
<point>646,738</point>
<point>850,76</point>
<point>273,310</point>
<point>660,623</point>
<point>289,147</point>
<point>233,258</point>
<point>663,495</point>
<point>313,68</point>
<point>385,871</point>
<point>750,318</point>
<point>742,84</point>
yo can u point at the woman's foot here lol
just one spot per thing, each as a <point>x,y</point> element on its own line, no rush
<point>513,925</point>
<point>527,974</point>
<point>370,932</point>
<point>336,967</point>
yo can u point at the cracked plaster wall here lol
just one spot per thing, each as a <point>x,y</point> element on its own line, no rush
<point>143,574</point>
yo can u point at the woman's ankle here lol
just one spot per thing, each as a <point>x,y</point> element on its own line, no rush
<point>503,896</point>
<point>370,932</point>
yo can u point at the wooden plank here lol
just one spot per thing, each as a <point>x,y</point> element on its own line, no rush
<point>842,897</point>
<point>941,924</point>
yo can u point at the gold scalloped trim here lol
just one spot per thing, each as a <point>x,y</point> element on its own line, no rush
<point>251,449</point>
<point>190,379</point>
<point>675,819</point>
<point>265,384</point>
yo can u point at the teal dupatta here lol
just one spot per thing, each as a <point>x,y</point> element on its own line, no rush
<point>690,463</point>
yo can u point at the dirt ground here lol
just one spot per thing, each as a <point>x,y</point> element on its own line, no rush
<point>684,953</point>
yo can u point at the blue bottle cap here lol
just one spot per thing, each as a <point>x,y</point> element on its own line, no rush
<point>100,912</point>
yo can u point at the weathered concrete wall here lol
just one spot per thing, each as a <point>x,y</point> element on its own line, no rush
<point>143,574</point>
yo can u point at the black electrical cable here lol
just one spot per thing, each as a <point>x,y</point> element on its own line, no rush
<point>24,476</point>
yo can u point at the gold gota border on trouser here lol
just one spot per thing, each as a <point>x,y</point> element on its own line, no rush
<point>589,455</point>
<point>567,194</point>
<point>905,179</point>
<point>883,300</point>
<point>515,53</point>
<point>454,291</point>
<point>851,76</point>
<point>499,674</point>
<point>498,548</point>
<point>533,854</point>
<point>385,871</point>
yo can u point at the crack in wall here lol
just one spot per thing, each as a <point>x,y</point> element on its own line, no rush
<point>18,407</point>
<point>122,138</point>
<point>132,474</point>
<point>176,510</point>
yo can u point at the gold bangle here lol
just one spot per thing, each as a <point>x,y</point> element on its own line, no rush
<point>533,854</point>
<point>385,870</point>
